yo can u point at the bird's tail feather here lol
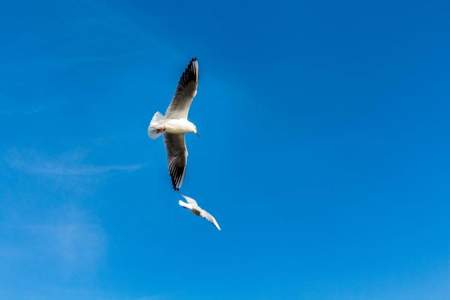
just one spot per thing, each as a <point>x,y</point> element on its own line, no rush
<point>154,130</point>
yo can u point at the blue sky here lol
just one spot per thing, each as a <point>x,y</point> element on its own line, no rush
<point>323,150</point>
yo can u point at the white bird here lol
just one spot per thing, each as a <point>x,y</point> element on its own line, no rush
<point>174,124</point>
<point>197,210</point>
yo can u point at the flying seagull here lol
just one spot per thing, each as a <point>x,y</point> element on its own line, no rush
<point>197,210</point>
<point>174,124</point>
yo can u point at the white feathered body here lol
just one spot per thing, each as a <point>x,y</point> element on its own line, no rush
<point>160,124</point>
<point>179,126</point>
<point>192,207</point>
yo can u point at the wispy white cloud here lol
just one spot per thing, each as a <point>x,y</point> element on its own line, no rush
<point>74,243</point>
<point>64,239</point>
<point>67,164</point>
<point>49,252</point>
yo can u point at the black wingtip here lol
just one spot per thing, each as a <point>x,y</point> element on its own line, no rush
<point>190,73</point>
<point>174,186</point>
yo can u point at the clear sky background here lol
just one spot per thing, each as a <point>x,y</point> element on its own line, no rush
<point>324,150</point>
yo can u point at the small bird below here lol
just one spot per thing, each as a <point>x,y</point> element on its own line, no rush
<point>192,205</point>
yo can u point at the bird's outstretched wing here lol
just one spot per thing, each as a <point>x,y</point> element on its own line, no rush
<point>185,93</point>
<point>210,218</point>
<point>177,158</point>
<point>190,200</point>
